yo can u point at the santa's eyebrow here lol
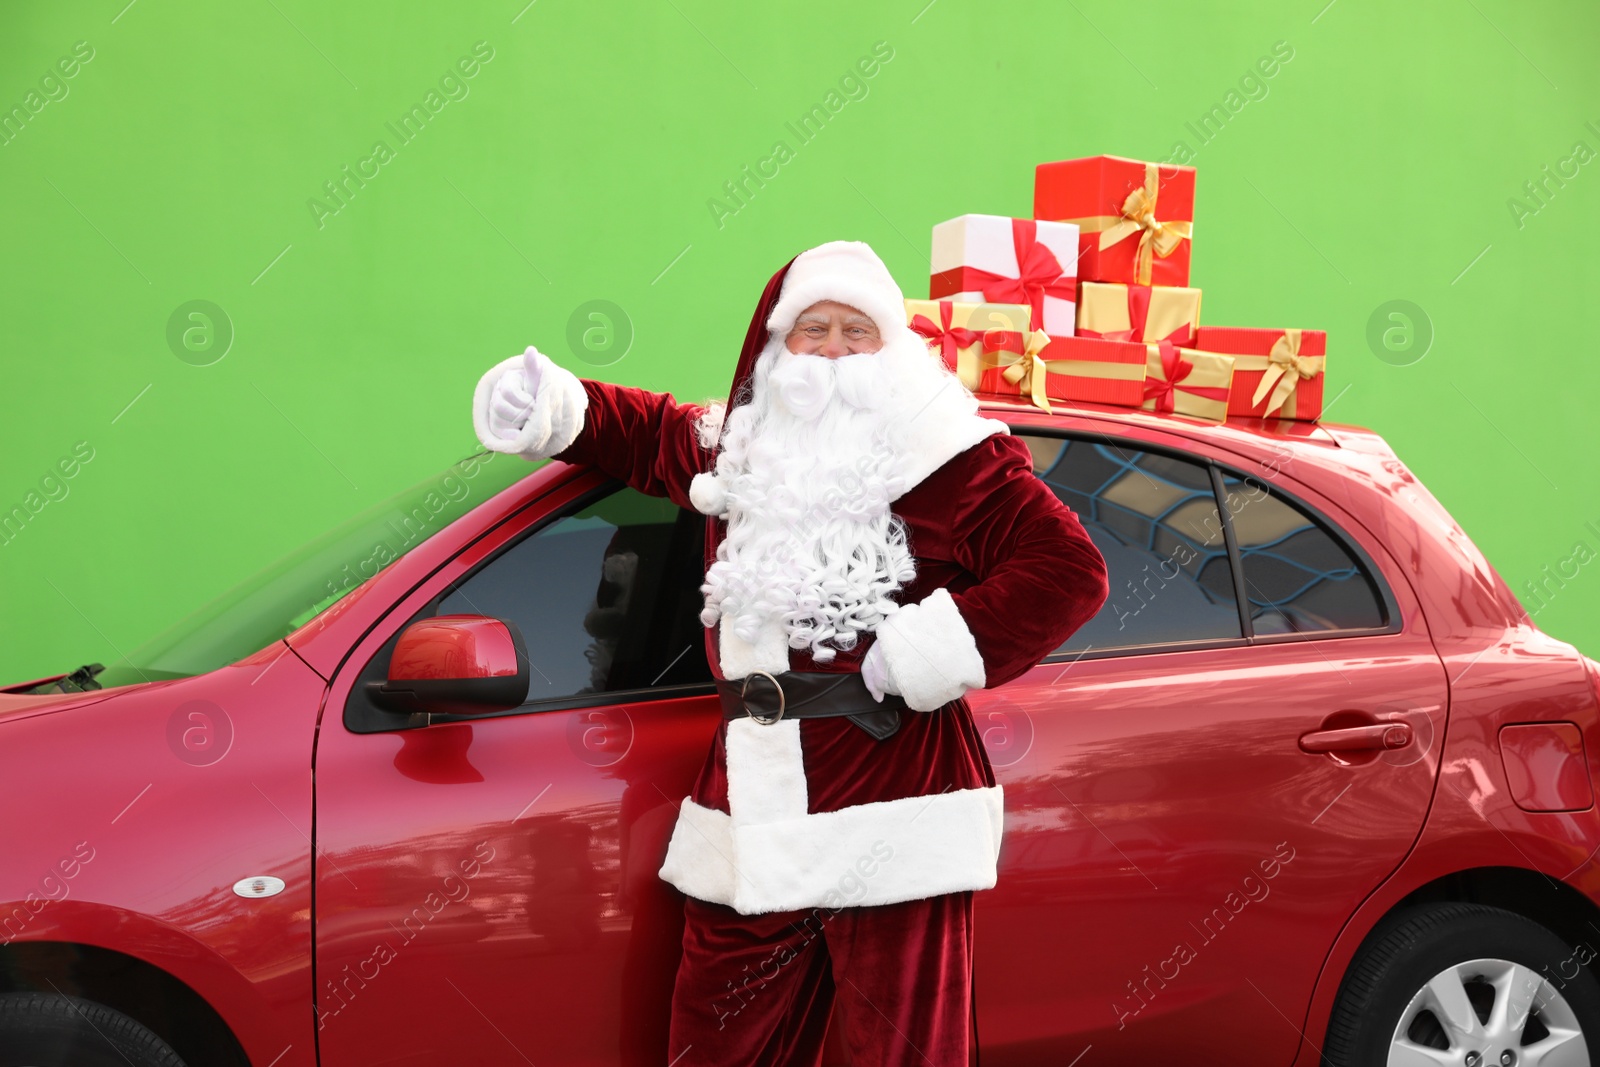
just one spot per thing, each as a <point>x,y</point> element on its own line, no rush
<point>853,319</point>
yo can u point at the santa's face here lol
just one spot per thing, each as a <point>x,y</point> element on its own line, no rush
<point>831,329</point>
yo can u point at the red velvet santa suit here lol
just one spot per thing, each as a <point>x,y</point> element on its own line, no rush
<point>811,831</point>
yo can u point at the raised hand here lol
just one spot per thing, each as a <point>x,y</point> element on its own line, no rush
<point>529,406</point>
<point>513,396</point>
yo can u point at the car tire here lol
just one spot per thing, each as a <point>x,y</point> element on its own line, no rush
<point>1400,991</point>
<point>52,1030</point>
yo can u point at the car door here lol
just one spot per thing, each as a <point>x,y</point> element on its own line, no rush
<point>486,888</point>
<point>1175,864</point>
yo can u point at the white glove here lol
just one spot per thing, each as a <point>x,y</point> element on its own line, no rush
<point>929,656</point>
<point>875,673</point>
<point>528,406</point>
<point>512,399</point>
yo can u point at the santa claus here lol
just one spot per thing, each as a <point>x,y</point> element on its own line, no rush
<point>875,549</point>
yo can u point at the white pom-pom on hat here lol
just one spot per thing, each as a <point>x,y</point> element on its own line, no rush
<point>707,494</point>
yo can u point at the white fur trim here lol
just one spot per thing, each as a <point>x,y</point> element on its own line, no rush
<point>708,427</point>
<point>937,442</point>
<point>554,421</point>
<point>930,654</point>
<point>766,770</point>
<point>847,271</point>
<point>879,853</point>
<point>738,657</point>
<point>700,854</point>
<point>771,854</point>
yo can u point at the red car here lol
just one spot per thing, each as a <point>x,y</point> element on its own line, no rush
<point>1311,785</point>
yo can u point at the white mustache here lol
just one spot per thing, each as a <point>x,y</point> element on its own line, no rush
<point>806,384</point>
<point>802,384</point>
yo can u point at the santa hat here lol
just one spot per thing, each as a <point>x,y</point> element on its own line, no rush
<point>756,337</point>
<point>849,272</point>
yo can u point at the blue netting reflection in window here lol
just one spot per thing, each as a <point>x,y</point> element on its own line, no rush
<point>1297,577</point>
<point>1154,519</point>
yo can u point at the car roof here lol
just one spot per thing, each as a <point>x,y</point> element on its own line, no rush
<point>1254,437</point>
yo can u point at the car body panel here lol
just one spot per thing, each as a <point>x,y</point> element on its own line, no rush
<point>167,795</point>
<point>1474,822</point>
<point>1176,949</point>
<point>1172,855</point>
<point>464,864</point>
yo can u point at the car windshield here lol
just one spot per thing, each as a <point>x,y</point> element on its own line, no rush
<point>281,598</point>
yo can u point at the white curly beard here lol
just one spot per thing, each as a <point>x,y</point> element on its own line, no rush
<point>807,472</point>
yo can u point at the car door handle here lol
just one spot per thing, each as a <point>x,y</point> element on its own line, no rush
<point>1382,735</point>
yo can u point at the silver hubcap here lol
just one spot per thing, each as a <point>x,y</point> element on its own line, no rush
<point>1488,1013</point>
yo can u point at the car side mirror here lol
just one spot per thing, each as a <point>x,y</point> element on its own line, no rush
<point>455,665</point>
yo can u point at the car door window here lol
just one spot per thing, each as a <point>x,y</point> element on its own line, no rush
<point>1298,577</point>
<point>1154,518</point>
<point>607,599</point>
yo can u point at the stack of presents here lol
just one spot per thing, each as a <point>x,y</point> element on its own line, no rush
<point>1089,301</point>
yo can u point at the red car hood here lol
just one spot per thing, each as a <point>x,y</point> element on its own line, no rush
<point>20,706</point>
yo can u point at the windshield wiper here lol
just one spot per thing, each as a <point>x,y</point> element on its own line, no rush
<point>79,681</point>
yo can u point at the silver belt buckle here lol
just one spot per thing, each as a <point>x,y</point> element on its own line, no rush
<point>781,700</point>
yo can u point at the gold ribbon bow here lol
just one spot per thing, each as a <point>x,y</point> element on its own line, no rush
<point>1016,366</point>
<point>1156,238</point>
<point>1033,366</point>
<point>1285,367</point>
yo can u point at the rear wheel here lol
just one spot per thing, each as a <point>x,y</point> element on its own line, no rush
<point>50,1030</point>
<point>1468,986</point>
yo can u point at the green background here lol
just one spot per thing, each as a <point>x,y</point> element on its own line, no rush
<point>1375,165</point>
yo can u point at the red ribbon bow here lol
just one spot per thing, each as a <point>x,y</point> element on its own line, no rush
<point>1039,274</point>
<point>1174,369</point>
<point>1138,316</point>
<point>947,338</point>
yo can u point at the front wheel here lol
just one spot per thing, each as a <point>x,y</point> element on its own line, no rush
<point>1469,986</point>
<point>49,1030</point>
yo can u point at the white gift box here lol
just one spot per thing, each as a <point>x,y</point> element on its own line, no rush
<point>975,260</point>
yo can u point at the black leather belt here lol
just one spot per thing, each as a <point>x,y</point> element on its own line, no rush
<point>768,698</point>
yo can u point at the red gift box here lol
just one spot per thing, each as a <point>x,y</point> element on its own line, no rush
<point>983,343</point>
<point>1134,219</point>
<point>1277,373</point>
<point>1084,368</point>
